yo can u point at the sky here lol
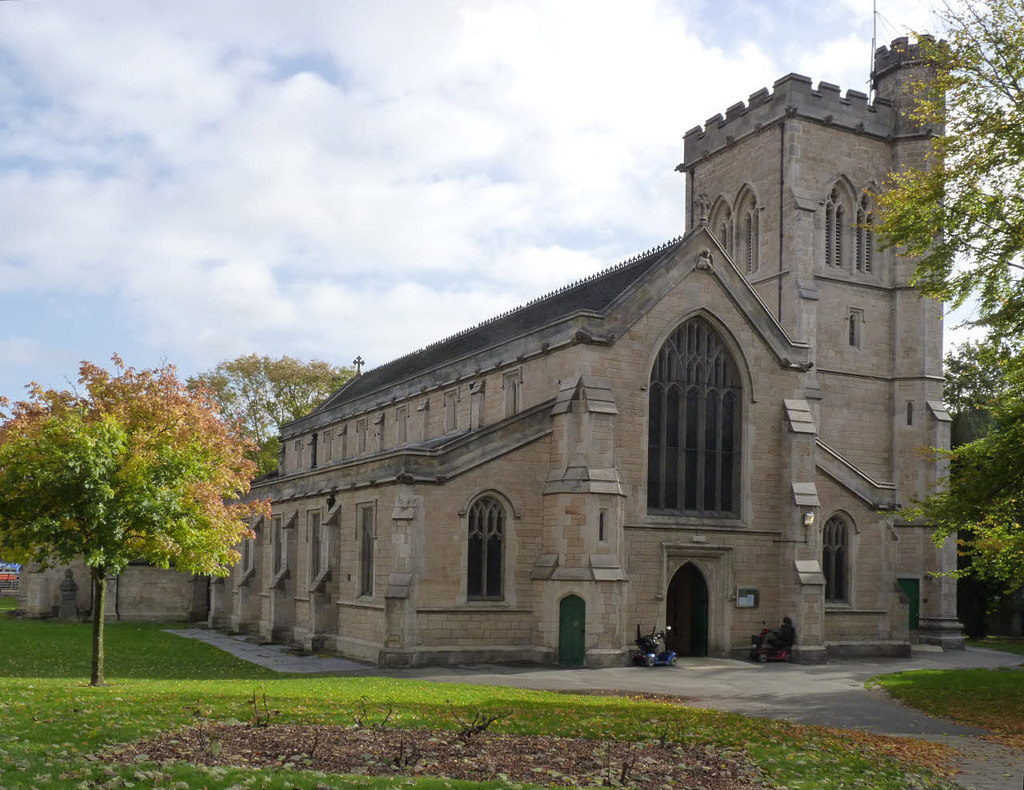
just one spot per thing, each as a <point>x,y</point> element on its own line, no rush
<point>194,180</point>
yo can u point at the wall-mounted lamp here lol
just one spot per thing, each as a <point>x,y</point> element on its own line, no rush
<point>809,518</point>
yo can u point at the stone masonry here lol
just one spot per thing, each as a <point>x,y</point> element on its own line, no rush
<point>714,434</point>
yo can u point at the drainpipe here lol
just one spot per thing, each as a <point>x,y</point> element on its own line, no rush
<point>782,219</point>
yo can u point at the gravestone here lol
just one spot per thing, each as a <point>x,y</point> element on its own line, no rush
<point>68,609</point>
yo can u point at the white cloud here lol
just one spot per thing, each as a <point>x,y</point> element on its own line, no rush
<point>20,350</point>
<point>362,177</point>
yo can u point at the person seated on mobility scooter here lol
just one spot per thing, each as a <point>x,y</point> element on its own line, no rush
<point>774,645</point>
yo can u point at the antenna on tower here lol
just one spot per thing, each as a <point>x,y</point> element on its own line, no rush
<point>874,37</point>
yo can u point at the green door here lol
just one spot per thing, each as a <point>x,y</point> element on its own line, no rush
<point>572,631</point>
<point>912,589</point>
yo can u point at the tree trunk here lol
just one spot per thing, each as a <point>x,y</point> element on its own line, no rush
<point>99,600</point>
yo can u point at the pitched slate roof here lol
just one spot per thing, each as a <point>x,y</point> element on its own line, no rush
<point>593,294</point>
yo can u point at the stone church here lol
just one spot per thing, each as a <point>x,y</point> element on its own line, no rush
<point>713,434</point>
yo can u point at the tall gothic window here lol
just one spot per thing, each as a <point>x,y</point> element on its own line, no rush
<point>316,548</point>
<point>865,235</point>
<point>486,547</point>
<point>366,534</point>
<point>834,556</point>
<point>278,558</point>
<point>249,549</point>
<point>693,455</point>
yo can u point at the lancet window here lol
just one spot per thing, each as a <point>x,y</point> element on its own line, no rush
<point>865,231</point>
<point>747,243</point>
<point>485,549</point>
<point>722,225</point>
<point>834,559</point>
<point>836,220</point>
<point>365,518</point>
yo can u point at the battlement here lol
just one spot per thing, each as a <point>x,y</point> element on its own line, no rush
<point>899,53</point>
<point>792,96</point>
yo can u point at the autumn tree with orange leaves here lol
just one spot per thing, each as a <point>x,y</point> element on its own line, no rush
<point>135,466</point>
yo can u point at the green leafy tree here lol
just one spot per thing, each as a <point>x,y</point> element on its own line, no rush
<point>976,378</point>
<point>983,502</point>
<point>263,393</point>
<point>135,467</point>
<point>960,214</point>
<point>976,381</point>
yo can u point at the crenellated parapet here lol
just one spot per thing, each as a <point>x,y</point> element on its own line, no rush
<point>900,53</point>
<point>792,96</point>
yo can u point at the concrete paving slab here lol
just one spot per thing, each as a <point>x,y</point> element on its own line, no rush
<point>276,657</point>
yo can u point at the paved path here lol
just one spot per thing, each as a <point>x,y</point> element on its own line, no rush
<point>831,694</point>
<point>276,657</point>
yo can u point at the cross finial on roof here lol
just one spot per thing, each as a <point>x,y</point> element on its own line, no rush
<point>359,362</point>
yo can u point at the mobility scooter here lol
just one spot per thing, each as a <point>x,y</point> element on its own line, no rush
<point>648,654</point>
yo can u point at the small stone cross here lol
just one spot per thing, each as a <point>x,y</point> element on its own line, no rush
<point>359,362</point>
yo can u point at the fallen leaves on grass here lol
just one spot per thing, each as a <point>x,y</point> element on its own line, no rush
<point>444,753</point>
<point>937,756</point>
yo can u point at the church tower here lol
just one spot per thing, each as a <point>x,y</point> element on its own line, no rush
<point>786,182</point>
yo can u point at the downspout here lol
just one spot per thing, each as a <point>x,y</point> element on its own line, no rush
<point>782,218</point>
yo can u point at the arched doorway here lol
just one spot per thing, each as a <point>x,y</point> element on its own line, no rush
<point>572,625</point>
<point>686,611</point>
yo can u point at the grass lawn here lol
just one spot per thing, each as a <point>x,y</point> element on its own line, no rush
<point>988,698</point>
<point>54,721</point>
<point>8,603</point>
<point>1008,644</point>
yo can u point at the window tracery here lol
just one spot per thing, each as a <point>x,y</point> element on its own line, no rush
<point>835,229</point>
<point>834,559</point>
<point>694,425</point>
<point>486,540</point>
